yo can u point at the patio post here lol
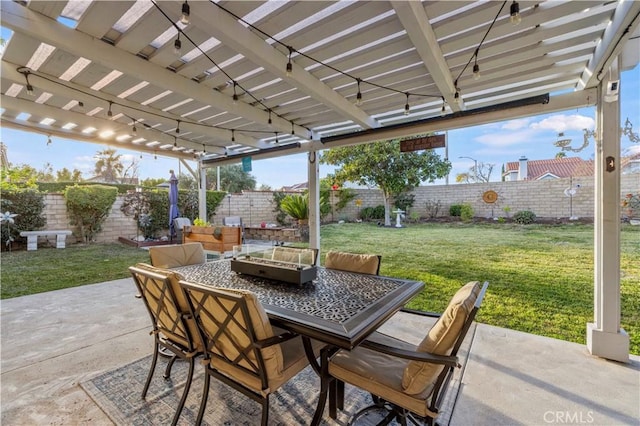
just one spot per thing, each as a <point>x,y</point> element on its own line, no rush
<point>202,193</point>
<point>314,200</point>
<point>605,338</point>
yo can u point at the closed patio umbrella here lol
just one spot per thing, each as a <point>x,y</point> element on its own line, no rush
<point>173,203</point>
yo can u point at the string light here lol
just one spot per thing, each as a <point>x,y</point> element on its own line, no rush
<point>515,13</point>
<point>186,11</point>
<point>178,127</point>
<point>29,86</point>
<point>81,104</point>
<point>359,94</point>
<point>109,112</point>
<point>443,111</point>
<point>293,130</point>
<point>406,106</point>
<point>276,137</point>
<point>177,45</point>
<point>175,142</point>
<point>233,135</point>
<point>235,93</point>
<point>269,122</point>
<point>289,64</point>
<point>49,140</point>
<point>134,130</point>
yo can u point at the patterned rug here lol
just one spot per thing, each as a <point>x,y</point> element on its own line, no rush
<point>117,393</point>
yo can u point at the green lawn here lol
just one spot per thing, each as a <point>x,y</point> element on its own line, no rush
<point>540,277</point>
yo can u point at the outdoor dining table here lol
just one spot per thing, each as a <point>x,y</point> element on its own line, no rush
<point>339,308</point>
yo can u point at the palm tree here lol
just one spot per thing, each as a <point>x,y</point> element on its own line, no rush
<point>108,165</point>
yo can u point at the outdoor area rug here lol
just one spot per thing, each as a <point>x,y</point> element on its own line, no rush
<point>117,393</point>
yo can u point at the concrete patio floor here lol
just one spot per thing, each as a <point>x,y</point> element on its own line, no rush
<point>53,341</point>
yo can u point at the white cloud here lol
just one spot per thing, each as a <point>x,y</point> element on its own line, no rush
<point>517,124</point>
<point>506,139</point>
<point>562,123</point>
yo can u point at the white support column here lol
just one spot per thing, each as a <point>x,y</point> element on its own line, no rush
<point>605,338</point>
<point>314,201</point>
<point>202,195</point>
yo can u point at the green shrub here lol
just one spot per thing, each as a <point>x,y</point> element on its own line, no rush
<point>281,216</point>
<point>372,213</point>
<point>433,207</point>
<point>404,201</point>
<point>466,212</point>
<point>296,206</point>
<point>60,187</point>
<point>524,217</point>
<point>27,205</point>
<point>88,207</point>
<point>455,210</point>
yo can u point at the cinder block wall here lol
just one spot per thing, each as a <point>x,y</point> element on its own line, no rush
<point>545,198</point>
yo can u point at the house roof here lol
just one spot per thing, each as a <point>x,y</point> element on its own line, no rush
<point>557,167</point>
<point>94,66</point>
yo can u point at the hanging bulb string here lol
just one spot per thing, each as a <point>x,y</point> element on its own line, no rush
<point>475,53</point>
<point>317,61</point>
<point>25,70</point>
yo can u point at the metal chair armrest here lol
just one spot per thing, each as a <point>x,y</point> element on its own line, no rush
<point>422,313</point>
<point>451,361</point>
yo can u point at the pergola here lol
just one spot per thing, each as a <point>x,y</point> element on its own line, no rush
<point>264,79</point>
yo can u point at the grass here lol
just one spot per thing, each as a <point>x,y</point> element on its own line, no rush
<point>30,272</point>
<point>540,277</point>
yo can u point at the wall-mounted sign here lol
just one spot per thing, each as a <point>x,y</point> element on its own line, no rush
<point>424,142</point>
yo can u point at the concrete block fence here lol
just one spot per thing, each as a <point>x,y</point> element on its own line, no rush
<point>545,198</point>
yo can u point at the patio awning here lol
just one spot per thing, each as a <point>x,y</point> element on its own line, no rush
<point>106,72</point>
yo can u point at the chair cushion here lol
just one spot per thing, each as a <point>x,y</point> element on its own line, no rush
<point>361,263</point>
<point>440,339</point>
<point>182,304</point>
<point>171,256</point>
<point>380,375</point>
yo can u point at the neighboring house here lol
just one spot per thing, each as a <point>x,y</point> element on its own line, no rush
<point>298,187</point>
<point>555,168</point>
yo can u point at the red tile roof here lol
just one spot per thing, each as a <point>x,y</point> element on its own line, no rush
<point>559,167</point>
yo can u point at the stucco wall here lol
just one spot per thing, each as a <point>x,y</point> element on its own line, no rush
<point>545,198</point>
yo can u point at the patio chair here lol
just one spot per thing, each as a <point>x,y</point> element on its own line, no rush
<point>173,327</point>
<point>171,256</point>
<point>178,224</point>
<point>351,262</point>
<point>241,348</point>
<point>406,380</point>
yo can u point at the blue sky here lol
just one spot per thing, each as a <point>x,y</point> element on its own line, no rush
<point>495,143</point>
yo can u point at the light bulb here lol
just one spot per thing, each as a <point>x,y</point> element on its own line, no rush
<point>476,71</point>
<point>186,11</point>
<point>515,13</point>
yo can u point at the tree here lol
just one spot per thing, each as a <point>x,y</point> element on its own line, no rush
<point>46,173</point>
<point>381,164</point>
<point>108,165</point>
<point>152,182</point>
<point>18,177</point>
<point>482,174</point>
<point>65,175</point>
<point>232,179</point>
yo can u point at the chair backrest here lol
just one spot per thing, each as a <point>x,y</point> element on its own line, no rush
<point>233,327</point>
<point>171,256</point>
<point>160,290</point>
<point>181,222</point>
<point>361,263</point>
<point>295,255</point>
<point>444,338</point>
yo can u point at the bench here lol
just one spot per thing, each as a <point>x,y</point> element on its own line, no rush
<point>32,237</point>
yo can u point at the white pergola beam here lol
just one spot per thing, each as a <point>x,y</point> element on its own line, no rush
<point>232,34</point>
<point>19,18</point>
<point>624,22</point>
<point>82,120</point>
<point>141,112</point>
<point>414,19</point>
